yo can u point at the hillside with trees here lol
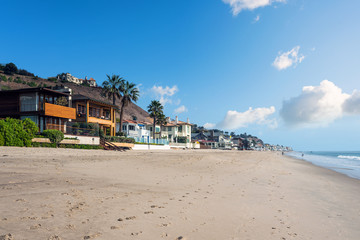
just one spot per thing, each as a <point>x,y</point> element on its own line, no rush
<point>12,78</point>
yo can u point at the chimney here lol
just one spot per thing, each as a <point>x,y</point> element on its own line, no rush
<point>188,120</point>
<point>176,120</point>
<point>168,119</point>
<point>86,78</point>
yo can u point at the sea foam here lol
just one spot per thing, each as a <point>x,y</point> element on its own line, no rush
<point>349,157</point>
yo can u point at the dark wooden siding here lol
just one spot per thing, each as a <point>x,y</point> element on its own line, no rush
<point>9,104</point>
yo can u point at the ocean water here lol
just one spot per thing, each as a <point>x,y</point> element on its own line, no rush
<point>344,162</point>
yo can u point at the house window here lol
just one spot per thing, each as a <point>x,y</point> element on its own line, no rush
<point>157,129</point>
<point>131,127</point>
<point>180,129</point>
<point>48,99</point>
<point>169,129</point>
<point>124,127</point>
<point>28,102</point>
<point>150,128</point>
<point>94,112</point>
<point>106,114</point>
<point>81,109</point>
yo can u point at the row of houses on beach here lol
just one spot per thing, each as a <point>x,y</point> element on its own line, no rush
<point>58,108</point>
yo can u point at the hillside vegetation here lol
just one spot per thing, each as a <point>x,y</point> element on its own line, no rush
<point>19,78</point>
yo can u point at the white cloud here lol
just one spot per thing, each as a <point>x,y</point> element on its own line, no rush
<point>287,59</point>
<point>180,109</point>
<point>352,104</point>
<point>238,5</point>
<point>209,125</point>
<point>318,105</point>
<point>235,120</point>
<point>257,18</point>
<point>163,93</point>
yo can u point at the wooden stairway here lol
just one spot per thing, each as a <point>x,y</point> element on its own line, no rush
<point>110,146</point>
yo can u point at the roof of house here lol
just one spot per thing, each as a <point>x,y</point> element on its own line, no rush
<point>23,90</point>
<point>91,79</point>
<point>83,97</point>
<point>136,122</point>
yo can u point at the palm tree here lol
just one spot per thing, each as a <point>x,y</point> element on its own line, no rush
<point>129,93</point>
<point>155,109</point>
<point>111,87</point>
<point>161,120</point>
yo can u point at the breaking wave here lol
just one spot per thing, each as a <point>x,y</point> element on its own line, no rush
<point>349,157</point>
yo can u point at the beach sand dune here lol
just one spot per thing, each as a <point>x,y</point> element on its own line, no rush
<point>94,194</point>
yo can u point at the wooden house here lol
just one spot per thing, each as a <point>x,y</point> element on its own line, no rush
<point>49,109</point>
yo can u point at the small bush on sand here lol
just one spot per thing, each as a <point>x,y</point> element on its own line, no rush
<point>55,136</point>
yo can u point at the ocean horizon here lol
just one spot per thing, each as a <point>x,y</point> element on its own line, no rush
<point>345,162</point>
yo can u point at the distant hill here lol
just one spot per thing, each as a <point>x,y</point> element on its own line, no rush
<point>16,81</point>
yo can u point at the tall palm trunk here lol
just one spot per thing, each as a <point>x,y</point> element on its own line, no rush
<point>154,128</point>
<point>121,115</point>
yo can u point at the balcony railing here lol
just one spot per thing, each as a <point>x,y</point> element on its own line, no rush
<point>154,141</point>
<point>90,130</point>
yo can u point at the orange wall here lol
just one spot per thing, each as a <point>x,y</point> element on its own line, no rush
<point>59,111</point>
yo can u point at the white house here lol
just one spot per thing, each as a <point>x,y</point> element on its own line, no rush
<point>135,129</point>
<point>67,77</point>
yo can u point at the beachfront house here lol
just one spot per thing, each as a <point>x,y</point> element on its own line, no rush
<point>175,131</point>
<point>90,110</point>
<point>48,108</point>
<point>135,129</point>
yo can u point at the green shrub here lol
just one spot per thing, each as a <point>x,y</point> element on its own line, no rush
<point>2,140</point>
<point>16,132</point>
<point>53,79</point>
<point>31,84</point>
<point>74,146</point>
<point>10,68</point>
<point>10,79</point>
<point>101,133</point>
<point>5,88</point>
<point>50,145</point>
<point>180,139</point>
<point>121,134</point>
<point>119,139</point>
<point>55,136</point>
<point>3,78</point>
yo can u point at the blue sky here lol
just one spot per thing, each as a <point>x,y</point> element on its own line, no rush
<point>209,60</point>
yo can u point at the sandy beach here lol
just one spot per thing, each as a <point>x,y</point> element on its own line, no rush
<point>95,194</point>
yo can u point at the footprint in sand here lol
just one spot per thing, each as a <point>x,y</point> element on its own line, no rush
<point>135,234</point>
<point>164,224</point>
<point>92,236</point>
<point>7,237</point>
<point>35,226</point>
<point>54,237</point>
